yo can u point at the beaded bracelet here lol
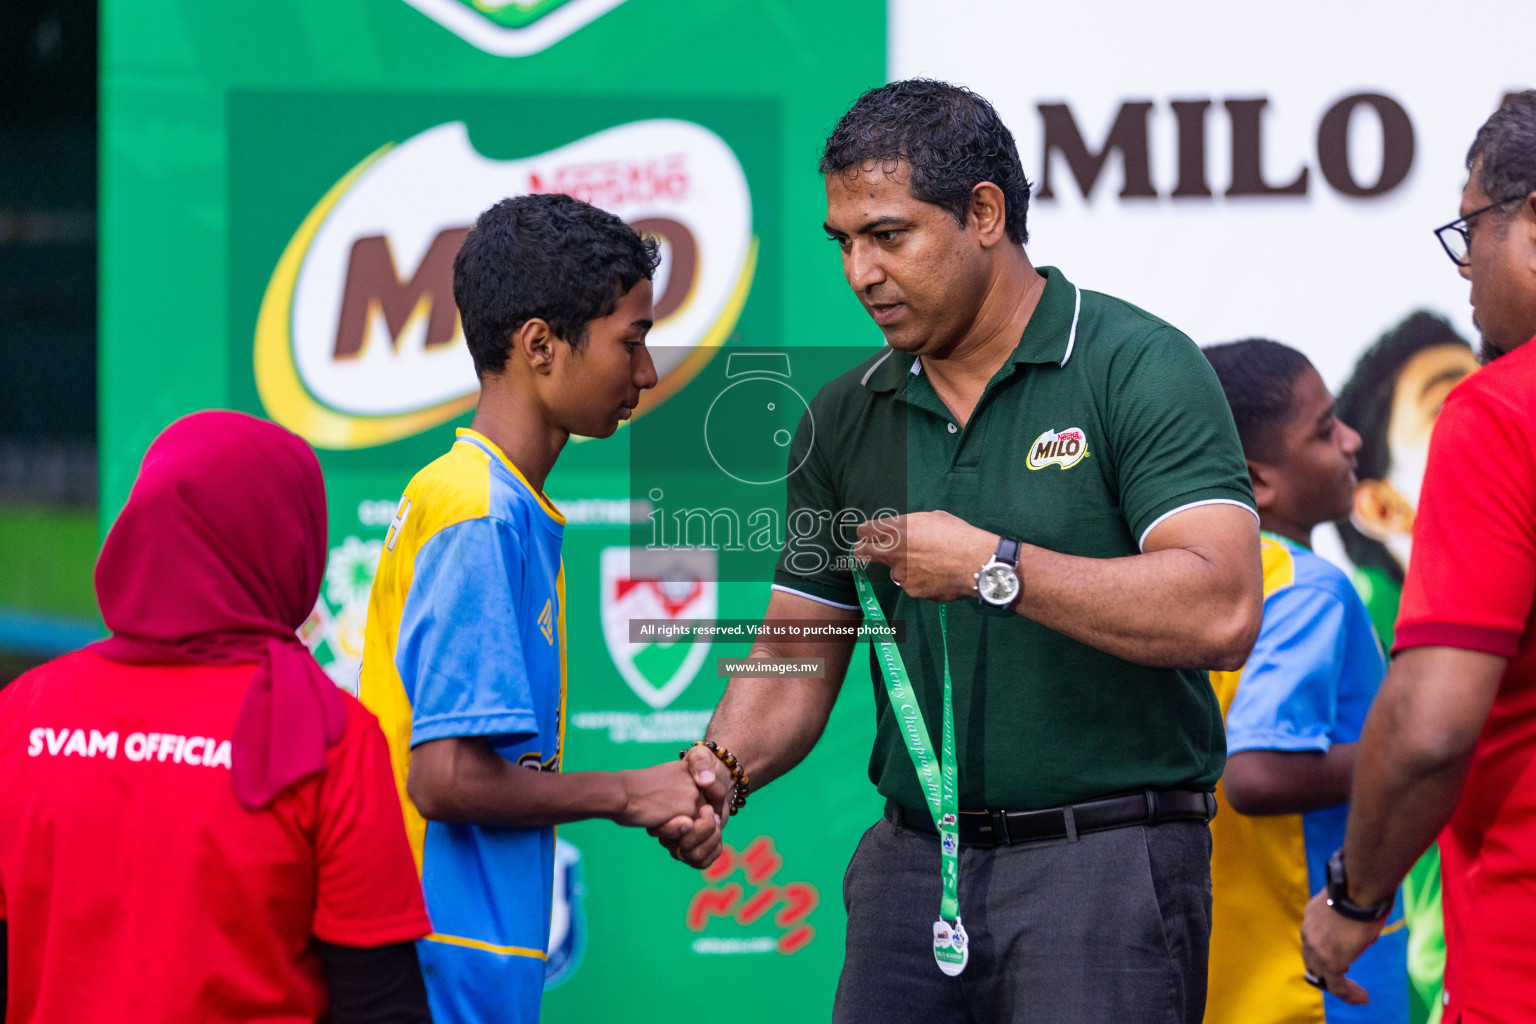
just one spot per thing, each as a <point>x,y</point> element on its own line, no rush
<point>743,784</point>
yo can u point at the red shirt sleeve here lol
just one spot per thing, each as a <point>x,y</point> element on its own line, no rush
<point>1472,572</point>
<point>367,892</point>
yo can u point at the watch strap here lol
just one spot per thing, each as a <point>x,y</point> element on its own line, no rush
<point>1007,554</point>
<point>1338,894</point>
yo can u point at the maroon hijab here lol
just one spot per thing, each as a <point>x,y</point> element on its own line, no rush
<point>217,559</point>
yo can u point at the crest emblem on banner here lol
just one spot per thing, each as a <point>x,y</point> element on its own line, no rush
<point>641,584</point>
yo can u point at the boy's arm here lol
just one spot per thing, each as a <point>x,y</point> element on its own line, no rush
<point>1289,781</point>
<point>461,655</point>
<point>460,779</point>
<point>1282,719</point>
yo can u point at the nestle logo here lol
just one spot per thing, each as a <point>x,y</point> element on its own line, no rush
<point>613,183</point>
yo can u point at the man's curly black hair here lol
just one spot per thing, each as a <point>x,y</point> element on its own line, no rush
<point>1506,143</point>
<point>950,138</point>
<point>548,256</point>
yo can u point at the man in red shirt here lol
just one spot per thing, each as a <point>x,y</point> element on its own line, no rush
<point>1451,741</point>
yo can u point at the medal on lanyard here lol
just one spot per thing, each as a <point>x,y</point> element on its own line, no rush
<point>951,946</point>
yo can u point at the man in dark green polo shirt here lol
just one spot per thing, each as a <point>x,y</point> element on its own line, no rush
<point>1059,471</point>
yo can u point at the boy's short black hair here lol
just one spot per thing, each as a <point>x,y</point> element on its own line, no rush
<point>1258,377</point>
<point>547,256</point>
<point>950,138</point>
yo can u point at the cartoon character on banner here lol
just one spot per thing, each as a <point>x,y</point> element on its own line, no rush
<point>1393,399</point>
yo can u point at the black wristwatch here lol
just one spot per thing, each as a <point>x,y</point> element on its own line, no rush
<point>1338,894</point>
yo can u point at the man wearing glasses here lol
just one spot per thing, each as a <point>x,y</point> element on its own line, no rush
<point>1451,739</point>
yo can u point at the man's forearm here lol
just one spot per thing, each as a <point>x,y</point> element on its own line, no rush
<point>1401,810</point>
<point>771,724</point>
<point>1170,608</point>
<point>1412,761</point>
<point>1194,597</point>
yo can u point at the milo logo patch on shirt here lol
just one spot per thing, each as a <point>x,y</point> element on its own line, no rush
<point>1065,448</point>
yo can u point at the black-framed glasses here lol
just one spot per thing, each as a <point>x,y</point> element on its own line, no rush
<point>1455,238</point>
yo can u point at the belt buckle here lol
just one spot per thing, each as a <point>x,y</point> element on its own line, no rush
<point>1000,827</point>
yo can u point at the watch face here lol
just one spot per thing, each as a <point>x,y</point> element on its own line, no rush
<point>997,584</point>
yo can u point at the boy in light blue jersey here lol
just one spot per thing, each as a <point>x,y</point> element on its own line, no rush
<point>1293,713</point>
<point>464,657</point>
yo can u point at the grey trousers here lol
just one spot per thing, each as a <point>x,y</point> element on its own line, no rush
<point>1107,928</point>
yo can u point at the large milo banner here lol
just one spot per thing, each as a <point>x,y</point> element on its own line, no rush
<point>285,187</point>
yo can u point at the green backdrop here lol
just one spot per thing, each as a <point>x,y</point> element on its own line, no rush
<point>227,128</point>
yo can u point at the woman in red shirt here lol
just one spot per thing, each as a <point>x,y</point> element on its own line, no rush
<point>195,823</point>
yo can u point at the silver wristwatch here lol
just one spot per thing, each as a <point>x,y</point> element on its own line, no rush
<point>997,583</point>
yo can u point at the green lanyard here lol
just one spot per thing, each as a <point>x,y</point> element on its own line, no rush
<point>936,779</point>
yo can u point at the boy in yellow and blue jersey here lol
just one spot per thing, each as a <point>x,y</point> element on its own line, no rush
<point>1293,713</point>
<point>464,658</point>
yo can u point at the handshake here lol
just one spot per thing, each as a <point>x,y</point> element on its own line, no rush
<point>683,804</point>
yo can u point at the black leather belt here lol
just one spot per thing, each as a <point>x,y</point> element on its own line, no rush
<point>1004,828</point>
